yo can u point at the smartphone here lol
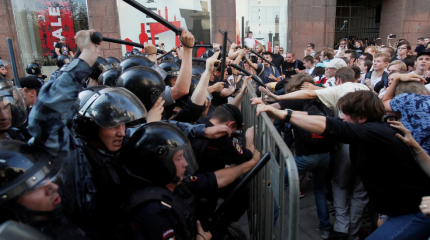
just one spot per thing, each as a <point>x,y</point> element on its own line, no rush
<point>393,36</point>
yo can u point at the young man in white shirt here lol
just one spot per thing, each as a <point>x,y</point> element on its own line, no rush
<point>308,62</point>
<point>249,41</point>
<point>380,63</point>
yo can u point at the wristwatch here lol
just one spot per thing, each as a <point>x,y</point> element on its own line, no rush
<point>289,113</point>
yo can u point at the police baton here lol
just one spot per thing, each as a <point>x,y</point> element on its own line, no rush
<point>160,57</point>
<point>157,18</point>
<point>258,55</point>
<point>228,39</point>
<point>13,62</point>
<point>224,54</point>
<point>254,77</point>
<point>254,171</point>
<point>134,44</point>
<point>203,45</point>
<point>154,16</point>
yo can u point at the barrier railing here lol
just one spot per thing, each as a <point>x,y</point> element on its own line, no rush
<point>267,188</point>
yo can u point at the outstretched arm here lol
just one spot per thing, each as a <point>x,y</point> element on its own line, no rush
<point>182,85</point>
<point>53,109</point>
<point>227,175</point>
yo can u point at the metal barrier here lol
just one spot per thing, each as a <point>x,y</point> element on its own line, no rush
<point>267,189</point>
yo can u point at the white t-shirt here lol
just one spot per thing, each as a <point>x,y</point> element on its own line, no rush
<point>309,71</point>
<point>250,42</point>
<point>428,86</point>
<point>329,96</point>
<point>374,81</point>
<point>331,82</point>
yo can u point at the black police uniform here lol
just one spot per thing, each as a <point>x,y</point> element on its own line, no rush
<point>31,82</point>
<point>157,213</point>
<point>212,155</point>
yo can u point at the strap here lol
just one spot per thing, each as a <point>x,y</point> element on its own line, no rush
<point>368,75</point>
<point>262,70</point>
<point>297,64</point>
<point>385,79</point>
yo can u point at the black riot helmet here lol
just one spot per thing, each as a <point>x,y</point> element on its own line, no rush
<point>168,57</point>
<point>33,68</point>
<point>144,82</point>
<point>99,66</point>
<point>133,61</point>
<point>12,105</point>
<point>61,60</point>
<point>159,153</point>
<point>135,51</point>
<point>106,107</point>
<point>172,69</point>
<point>108,77</point>
<point>113,61</point>
<point>197,71</point>
<point>23,169</point>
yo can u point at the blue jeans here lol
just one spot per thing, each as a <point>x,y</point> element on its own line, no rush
<point>317,164</point>
<point>412,226</point>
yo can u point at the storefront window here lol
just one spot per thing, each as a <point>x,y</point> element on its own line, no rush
<point>41,24</point>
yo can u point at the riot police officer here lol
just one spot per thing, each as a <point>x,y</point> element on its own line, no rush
<point>13,111</point>
<point>30,88</point>
<point>30,187</point>
<point>160,161</point>
<point>35,70</point>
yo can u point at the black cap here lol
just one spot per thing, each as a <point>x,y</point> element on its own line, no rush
<point>30,82</point>
<point>236,114</point>
<point>425,52</point>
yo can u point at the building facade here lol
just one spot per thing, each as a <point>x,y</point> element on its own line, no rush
<point>34,26</point>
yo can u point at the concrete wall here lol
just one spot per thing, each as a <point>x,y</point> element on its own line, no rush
<point>407,19</point>
<point>224,18</point>
<point>310,21</point>
<point>103,17</point>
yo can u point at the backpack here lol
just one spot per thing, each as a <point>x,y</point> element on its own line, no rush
<point>383,78</point>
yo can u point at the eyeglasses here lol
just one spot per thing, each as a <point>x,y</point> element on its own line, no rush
<point>342,43</point>
<point>281,50</point>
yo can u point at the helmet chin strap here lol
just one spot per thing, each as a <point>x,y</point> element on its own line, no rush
<point>176,180</point>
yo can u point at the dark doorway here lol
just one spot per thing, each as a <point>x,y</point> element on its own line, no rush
<point>357,18</point>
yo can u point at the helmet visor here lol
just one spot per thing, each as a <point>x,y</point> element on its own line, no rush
<point>12,106</point>
<point>111,107</point>
<point>159,70</point>
<point>184,160</point>
<point>22,169</point>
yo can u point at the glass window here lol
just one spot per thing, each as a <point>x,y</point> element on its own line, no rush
<point>42,23</point>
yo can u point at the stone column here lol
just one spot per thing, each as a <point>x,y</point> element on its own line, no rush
<point>310,21</point>
<point>407,19</point>
<point>223,14</point>
<point>103,17</point>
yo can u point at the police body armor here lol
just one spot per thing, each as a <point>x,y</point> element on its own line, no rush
<point>182,203</point>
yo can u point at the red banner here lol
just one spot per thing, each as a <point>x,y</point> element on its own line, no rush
<point>55,21</point>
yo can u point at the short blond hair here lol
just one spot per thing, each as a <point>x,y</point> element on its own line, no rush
<point>385,56</point>
<point>402,65</point>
